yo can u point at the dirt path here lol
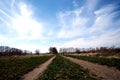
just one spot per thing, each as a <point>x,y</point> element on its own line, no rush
<point>102,72</point>
<point>33,75</point>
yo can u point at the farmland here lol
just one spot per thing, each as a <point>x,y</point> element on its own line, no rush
<point>59,67</point>
<point>63,69</point>
<point>111,62</point>
<point>13,68</point>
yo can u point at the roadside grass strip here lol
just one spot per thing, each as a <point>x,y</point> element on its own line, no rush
<point>112,62</point>
<point>63,69</point>
<point>14,68</point>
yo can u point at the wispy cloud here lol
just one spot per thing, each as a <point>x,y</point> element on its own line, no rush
<point>12,3</point>
<point>25,25</point>
<point>19,23</point>
<point>97,27</point>
<point>85,23</point>
<point>90,5</point>
<point>75,3</point>
<point>107,39</point>
<point>72,22</point>
<point>105,19</point>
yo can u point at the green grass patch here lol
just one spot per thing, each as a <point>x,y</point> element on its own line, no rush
<point>63,69</point>
<point>14,68</point>
<point>112,62</point>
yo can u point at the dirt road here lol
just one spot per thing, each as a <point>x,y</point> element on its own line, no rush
<point>33,75</point>
<point>102,72</point>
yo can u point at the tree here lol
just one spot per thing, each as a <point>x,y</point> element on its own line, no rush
<point>53,50</point>
<point>37,52</point>
<point>77,50</point>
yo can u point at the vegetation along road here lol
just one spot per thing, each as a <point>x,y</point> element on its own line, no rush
<point>33,75</point>
<point>59,67</point>
<point>103,72</point>
<point>64,69</point>
<point>13,68</point>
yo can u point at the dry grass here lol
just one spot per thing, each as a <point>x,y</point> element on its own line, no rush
<point>23,56</point>
<point>94,54</point>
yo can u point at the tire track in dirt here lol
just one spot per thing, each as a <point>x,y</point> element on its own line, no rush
<point>101,71</point>
<point>37,72</point>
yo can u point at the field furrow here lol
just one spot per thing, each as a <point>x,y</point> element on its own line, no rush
<point>63,69</point>
<point>33,75</point>
<point>14,68</point>
<point>111,62</point>
<point>103,72</point>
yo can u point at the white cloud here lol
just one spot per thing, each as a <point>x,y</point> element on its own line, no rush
<point>21,22</point>
<point>72,22</point>
<point>107,39</point>
<point>90,5</point>
<point>104,19</point>
<point>12,3</point>
<point>75,4</point>
<point>81,27</point>
<point>25,24</point>
<point>4,13</point>
<point>25,11</point>
<point>31,47</point>
<point>107,9</point>
<point>2,38</point>
<point>19,25</point>
<point>50,33</point>
<point>101,32</point>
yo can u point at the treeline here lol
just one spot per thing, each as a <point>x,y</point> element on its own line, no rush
<point>100,50</point>
<point>5,50</point>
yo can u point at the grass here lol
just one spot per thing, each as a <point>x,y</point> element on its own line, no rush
<point>13,68</point>
<point>63,69</point>
<point>111,62</point>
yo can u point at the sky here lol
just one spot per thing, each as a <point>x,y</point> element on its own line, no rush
<point>40,24</point>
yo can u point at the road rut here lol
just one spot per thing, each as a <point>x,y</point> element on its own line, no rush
<point>101,71</point>
<point>33,75</point>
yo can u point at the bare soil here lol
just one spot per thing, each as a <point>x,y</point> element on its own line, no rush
<point>100,71</point>
<point>37,72</point>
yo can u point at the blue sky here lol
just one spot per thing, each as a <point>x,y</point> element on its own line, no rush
<point>40,24</point>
